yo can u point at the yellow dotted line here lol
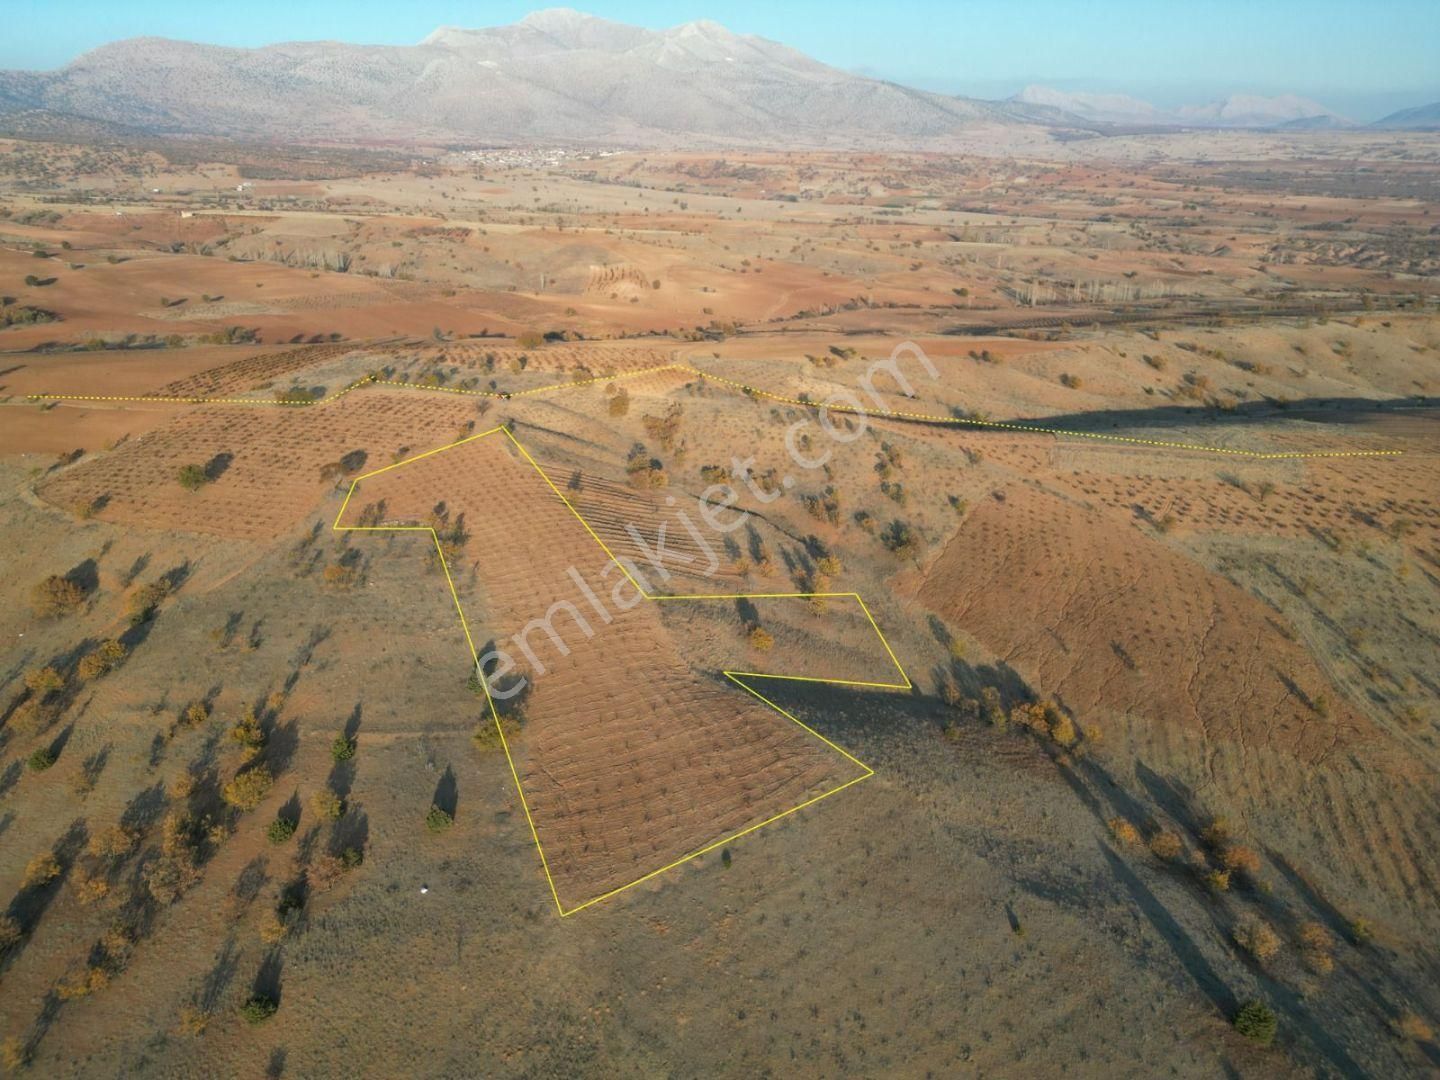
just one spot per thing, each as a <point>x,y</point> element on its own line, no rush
<point>1037,429</point>
<point>573,384</point>
<point>1034,429</point>
<point>203,400</point>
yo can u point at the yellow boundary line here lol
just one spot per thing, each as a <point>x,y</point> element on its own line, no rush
<point>934,418</point>
<point>736,677</point>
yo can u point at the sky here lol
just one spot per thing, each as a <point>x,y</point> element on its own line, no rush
<point>1361,59</point>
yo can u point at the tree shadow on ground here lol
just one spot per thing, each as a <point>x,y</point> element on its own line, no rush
<point>351,831</point>
<point>447,792</point>
<point>268,979</point>
<point>30,904</point>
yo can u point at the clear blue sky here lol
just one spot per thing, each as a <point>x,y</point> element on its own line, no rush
<point>1364,57</point>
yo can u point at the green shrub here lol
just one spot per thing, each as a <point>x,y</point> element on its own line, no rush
<point>259,1008</point>
<point>438,820</point>
<point>280,830</point>
<point>343,748</point>
<point>193,477</point>
<point>1257,1021</point>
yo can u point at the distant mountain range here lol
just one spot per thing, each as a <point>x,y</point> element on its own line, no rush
<point>555,76</point>
<point>1420,118</point>
<point>1237,111</point>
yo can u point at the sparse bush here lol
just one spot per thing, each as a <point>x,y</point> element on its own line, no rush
<point>56,596</point>
<point>248,733</point>
<point>1409,1025</point>
<point>619,403</point>
<point>274,926</point>
<point>1217,881</point>
<point>113,843</point>
<point>1124,832</point>
<point>1258,938</point>
<point>10,933</point>
<point>1257,1021</point>
<point>1239,858</point>
<point>143,601</point>
<point>1070,381</point>
<point>14,1054</point>
<point>82,983</point>
<point>195,714</point>
<point>530,339</point>
<point>1217,834</point>
<point>44,680</point>
<point>325,872</point>
<point>339,575</point>
<point>193,1021</point>
<point>899,539</point>
<point>41,870</point>
<point>248,789</point>
<point>169,876</point>
<point>88,888</point>
<point>760,639</point>
<point>102,660</point>
<point>438,820</point>
<point>1166,845</point>
<point>327,805</point>
<point>33,716</point>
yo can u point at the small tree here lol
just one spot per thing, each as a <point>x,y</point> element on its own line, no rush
<point>56,596</point>
<point>438,820</point>
<point>41,870</point>
<point>280,830</point>
<point>41,760</point>
<point>327,805</point>
<point>113,843</point>
<point>342,749</point>
<point>248,733</point>
<point>1166,845</point>
<point>193,477</point>
<point>258,1008</point>
<point>102,660</point>
<point>248,789</point>
<point>1257,1021</point>
<point>1124,832</point>
<point>1236,857</point>
<point>44,680</point>
<point>1258,938</point>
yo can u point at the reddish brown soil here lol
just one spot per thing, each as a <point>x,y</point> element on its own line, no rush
<point>629,759</point>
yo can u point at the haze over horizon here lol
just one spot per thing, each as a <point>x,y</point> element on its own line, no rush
<point>981,49</point>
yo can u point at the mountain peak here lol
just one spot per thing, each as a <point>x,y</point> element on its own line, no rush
<point>559,18</point>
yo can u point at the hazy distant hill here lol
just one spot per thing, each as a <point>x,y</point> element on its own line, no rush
<point>1237,111</point>
<point>555,75</point>
<point>1102,108</point>
<point>1420,118</point>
